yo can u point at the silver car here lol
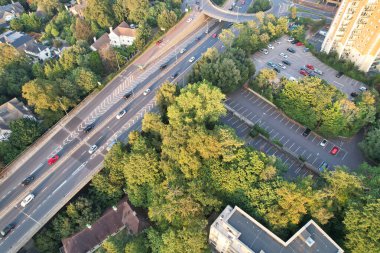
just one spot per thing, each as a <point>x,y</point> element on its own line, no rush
<point>27,200</point>
<point>92,149</point>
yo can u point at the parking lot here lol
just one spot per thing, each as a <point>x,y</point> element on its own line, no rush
<point>289,132</point>
<point>300,59</point>
<point>294,166</point>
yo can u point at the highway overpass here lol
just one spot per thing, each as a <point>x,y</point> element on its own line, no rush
<point>235,16</point>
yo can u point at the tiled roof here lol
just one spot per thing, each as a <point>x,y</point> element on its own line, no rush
<point>102,42</point>
<point>124,30</point>
<point>15,7</point>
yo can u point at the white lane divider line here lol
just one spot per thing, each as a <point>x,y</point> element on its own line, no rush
<point>56,189</point>
<point>38,167</point>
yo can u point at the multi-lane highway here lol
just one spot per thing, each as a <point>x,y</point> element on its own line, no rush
<point>55,184</point>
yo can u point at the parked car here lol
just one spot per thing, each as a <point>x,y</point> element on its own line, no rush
<point>264,51</point>
<point>290,39</point>
<point>146,92</point>
<point>306,132</point>
<point>277,69</point>
<point>334,150</point>
<point>284,55</point>
<point>182,50</point>
<point>286,62</point>
<point>192,59</point>
<point>189,20</point>
<point>323,143</point>
<point>215,35</point>
<point>127,95</point>
<point>121,114</point>
<point>282,65</point>
<point>339,74</point>
<point>270,46</point>
<point>92,149</point>
<point>303,72</point>
<point>7,230</point>
<point>354,94</point>
<point>271,64</point>
<point>294,42</point>
<point>318,71</point>
<point>323,167</point>
<point>89,127</point>
<point>293,79</point>
<point>291,50</point>
<point>309,66</point>
<point>27,180</point>
<point>158,42</point>
<point>299,44</point>
<point>53,160</point>
<point>363,88</point>
<point>27,200</point>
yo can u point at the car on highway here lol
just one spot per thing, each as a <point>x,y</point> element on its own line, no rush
<point>7,230</point>
<point>284,55</point>
<point>146,92</point>
<point>121,114</point>
<point>158,42</point>
<point>299,44</point>
<point>92,149</point>
<point>334,150</point>
<point>192,59</point>
<point>163,66</point>
<point>89,127</point>
<point>286,62</point>
<point>282,65</point>
<point>306,132</point>
<point>189,20</point>
<point>174,75</point>
<point>354,94</point>
<point>339,74</point>
<point>27,200</point>
<point>291,50</point>
<point>215,35</point>
<point>27,180</point>
<point>127,95</point>
<point>303,72</point>
<point>323,167</point>
<point>363,88</point>
<point>182,50</point>
<point>199,38</point>
<point>323,143</point>
<point>309,66</point>
<point>270,46</point>
<point>52,160</point>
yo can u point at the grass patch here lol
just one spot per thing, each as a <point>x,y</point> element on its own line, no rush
<point>256,130</point>
<point>278,142</point>
<point>302,159</point>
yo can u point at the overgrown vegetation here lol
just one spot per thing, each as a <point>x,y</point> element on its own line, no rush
<point>259,5</point>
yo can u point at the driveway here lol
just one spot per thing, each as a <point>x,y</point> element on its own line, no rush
<point>300,59</point>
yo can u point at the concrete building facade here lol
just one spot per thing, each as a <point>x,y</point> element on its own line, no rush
<point>236,232</point>
<point>355,33</point>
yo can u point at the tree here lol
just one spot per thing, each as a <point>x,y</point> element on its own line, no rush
<point>293,12</point>
<point>120,9</point>
<point>142,36</point>
<point>138,244</point>
<point>85,79</point>
<point>48,6</point>
<point>371,143</point>
<point>166,19</point>
<point>371,179</point>
<point>83,30</point>
<point>362,223</point>
<point>138,10</point>
<point>27,23</point>
<point>100,11</point>
<point>165,96</point>
<point>227,37</point>
<point>24,132</point>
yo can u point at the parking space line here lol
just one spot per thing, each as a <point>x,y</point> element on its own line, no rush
<point>264,106</point>
<point>273,113</point>
<point>314,160</point>
<point>245,127</point>
<point>287,123</point>
<point>275,135</point>
<point>344,156</point>
<point>282,119</point>
<point>303,152</point>
<point>270,108</point>
<point>308,157</point>
<point>306,174</point>
<point>243,123</point>
<point>314,138</point>
<point>260,103</point>
<point>281,138</point>
<point>268,149</point>
<point>291,146</point>
<point>277,116</point>
<point>248,114</point>
<point>296,149</point>
<point>275,152</point>
<point>298,170</point>
<point>286,142</point>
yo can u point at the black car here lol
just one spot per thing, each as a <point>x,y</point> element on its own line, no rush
<point>295,42</point>
<point>6,230</point>
<point>354,94</point>
<point>286,62</point>
<point>339,74</point>
<point>163,66</point>
<point>306,132</point>
<point>27,180</point>
<point>174,75</point>
<point>89,127</point>
<point>291,50</point>
<point>128,95</point>
<point>199,38</point>
<point>277,69</point>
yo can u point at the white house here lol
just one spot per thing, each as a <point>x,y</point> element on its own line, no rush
<point>122,35</point>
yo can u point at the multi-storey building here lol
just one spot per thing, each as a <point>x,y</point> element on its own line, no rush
<point>355,33</point>
<point>234,231</point>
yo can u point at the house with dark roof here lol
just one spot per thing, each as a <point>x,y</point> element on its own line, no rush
<point>9,111</point>
<point>26,43</point>
<point>122,35</point>
<point>122,216</point>
<point>9,12</point>
<point>236,231</point>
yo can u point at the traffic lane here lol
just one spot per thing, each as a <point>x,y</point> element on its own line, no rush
<point>294,166</point>
<point>281,128</point>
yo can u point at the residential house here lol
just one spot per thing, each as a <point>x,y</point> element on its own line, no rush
<point>9,12</point>
<point>122,35</point>
<point>26,43</point>
<point>236,231</point>
<point>78,9</point>
<point>9,111</point>
<point>122,216</point>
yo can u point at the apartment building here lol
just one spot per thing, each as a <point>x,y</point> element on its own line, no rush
<point>234,231</point>
<point>355,33</point>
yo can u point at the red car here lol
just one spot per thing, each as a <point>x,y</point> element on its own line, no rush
<point>53,160</point>
<point>299,44</point>
<point>215,35</point>
<point>334,150</point>
<point>158,42</point>
<point>309,66</point>
<point>304,73</point>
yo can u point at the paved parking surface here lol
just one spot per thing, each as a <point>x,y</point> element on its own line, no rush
<point>289,132</point>
<point>294,166</point>
<point>300,59</point>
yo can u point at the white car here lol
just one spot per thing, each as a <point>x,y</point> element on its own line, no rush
<point>189,20</point>
<point>284,55</point>
<point>323,143</point>
<point>264,51</point>
<point>282,65</point>
<point>362,88</point>
<point>270,46</point>
<point>121,114</point>
<point>290,39</point>
<point>192,59</point>
<point>292,79</point>
<point>92,149</point>
<point>27,200</point>
<point>146,92</point>
<point>182,50</point>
